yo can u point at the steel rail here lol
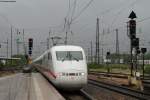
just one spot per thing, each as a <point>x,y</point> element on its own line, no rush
<point>118,75</point>
<point>74,95</point>
<point>120,89</point>
<point>146,84</point>
<point>86,95</point>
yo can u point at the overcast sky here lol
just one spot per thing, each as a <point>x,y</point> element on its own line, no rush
<point>37,17</point>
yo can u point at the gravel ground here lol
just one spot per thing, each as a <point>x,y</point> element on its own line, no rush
<point>104,94</point>
<point>6,73</point>
<point>112,80</point>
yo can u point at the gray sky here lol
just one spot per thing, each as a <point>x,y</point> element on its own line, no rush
<point>37,17</point>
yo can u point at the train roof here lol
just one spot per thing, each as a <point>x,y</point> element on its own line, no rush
<point>60,48</point>
<point>66,47</point>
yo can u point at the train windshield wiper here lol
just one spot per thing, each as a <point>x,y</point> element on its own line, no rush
<point>75,58</point>
<point>63,59</point>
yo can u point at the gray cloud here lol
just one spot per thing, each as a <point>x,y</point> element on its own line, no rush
<point>37,17</point>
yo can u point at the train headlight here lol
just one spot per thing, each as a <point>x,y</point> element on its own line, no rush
<point>82,74</point>
<point>61,74</point>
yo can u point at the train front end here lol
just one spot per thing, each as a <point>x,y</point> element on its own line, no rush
<point>71,67</point>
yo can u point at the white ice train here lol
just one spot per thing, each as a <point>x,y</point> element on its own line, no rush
<point>65,66</point>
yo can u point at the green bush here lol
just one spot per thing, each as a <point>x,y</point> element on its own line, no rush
<point>95,66</point>
<point>119,66</point>
<point>147,69</point>
<point>114,66</point>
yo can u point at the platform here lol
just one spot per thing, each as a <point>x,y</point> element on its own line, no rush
<point>43,89</point>
<point>27,87</point>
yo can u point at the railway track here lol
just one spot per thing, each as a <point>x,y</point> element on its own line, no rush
<point>146,84</point>
<point>117,75</point>
<point>120,89</point>
<point>73,95</point>
<point>77,95</point>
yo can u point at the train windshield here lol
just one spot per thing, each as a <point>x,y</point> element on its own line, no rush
<point>69,55</point>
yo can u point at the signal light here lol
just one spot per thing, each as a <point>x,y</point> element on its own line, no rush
<point>108,55</point>
<point>30,52</point>
<point>135,42</point>
<point>143,50</point>
<point>138,51</point>
<point>30,46</point>
<point>30,42</point>
<point>132,28</point>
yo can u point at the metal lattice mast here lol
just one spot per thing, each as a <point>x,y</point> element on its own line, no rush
<point>97,42</point>
<point>117,46</point>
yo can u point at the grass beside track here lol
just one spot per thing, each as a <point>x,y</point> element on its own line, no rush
<point>116,68</point>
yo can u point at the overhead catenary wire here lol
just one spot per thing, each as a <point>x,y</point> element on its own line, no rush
<point>133,3</point>
<point>85,7</point>
<point>69,4</point>
<point>70,13</point>
<point>74,8</point>
<point>107,11</point>
<point>111,9</point>
<point>82,10</point>
<point>121,11</point>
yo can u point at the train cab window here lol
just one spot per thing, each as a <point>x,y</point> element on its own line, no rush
<point>69,55</point>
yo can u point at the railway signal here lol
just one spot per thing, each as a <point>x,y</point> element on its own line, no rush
<point>108,61</point>
<point>132,25</point>
<point>108,55</point>
<point>133,39</point>
<point>135,42</point>
<point>30,46</point>
<point>143,50</point>
<point>138,51</point>
<point>132,28</point>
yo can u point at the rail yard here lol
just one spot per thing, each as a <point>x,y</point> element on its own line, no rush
<point>74,50</point>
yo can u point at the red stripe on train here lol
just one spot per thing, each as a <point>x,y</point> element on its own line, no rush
<point>47,72</point>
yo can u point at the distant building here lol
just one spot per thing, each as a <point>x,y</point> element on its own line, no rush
<point>145,61</point>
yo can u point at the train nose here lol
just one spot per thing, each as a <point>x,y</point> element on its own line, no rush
<point>73,81</point>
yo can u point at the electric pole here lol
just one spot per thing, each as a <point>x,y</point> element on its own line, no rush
<point>102,55</point>
<point>117,47</point>
<point>47,43</point>
<point>48,40</point>
<point>143,50</point>
<point>91,52</point>
<point>97,58</point>
<point>11,26</point>
<point>7,48</point>
<point>24,43</point>
<point>66,38</point>
<point>88,55</point>
<point>17,42</point>
<point>11,43</point>
<point>7,52</point>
